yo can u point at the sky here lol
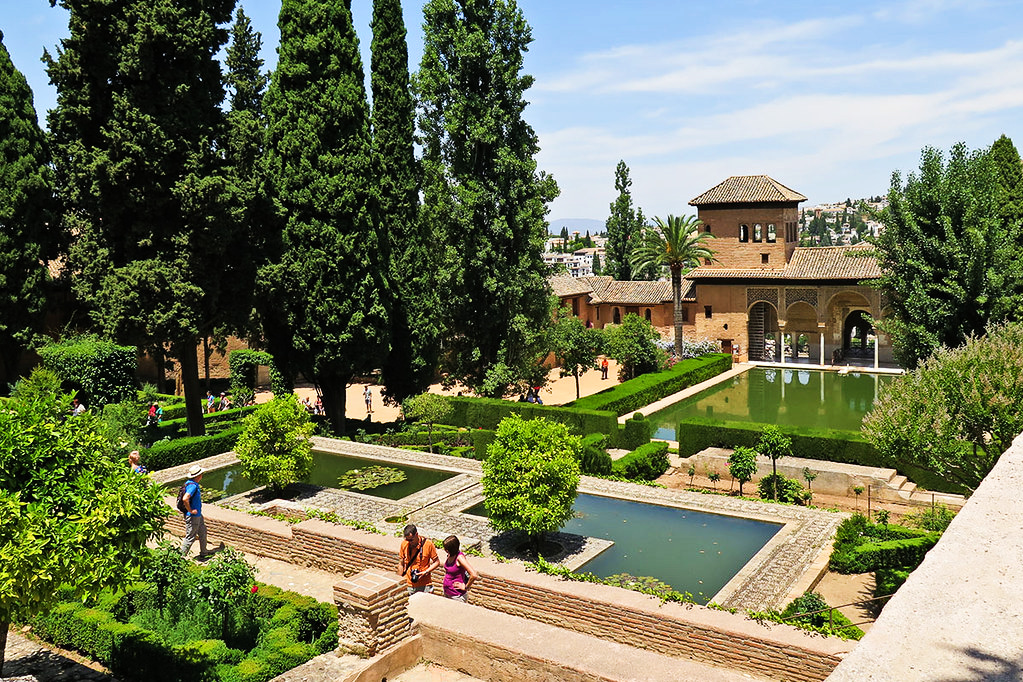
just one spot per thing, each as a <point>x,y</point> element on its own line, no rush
<point>828,98</point>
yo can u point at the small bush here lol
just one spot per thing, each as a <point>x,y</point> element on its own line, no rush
<point>889,580</point>
<point>636,432</point>
<point>595,461</point>
<point>830,622</point>
<point>935,519</point>
<point>164,454</point>
<point>861,546</point>
<point>646,462</point>
<point>789,489</point>
<point>487,413</point>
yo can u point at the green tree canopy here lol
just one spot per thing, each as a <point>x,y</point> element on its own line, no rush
<point>484,197</point>
<point>71,516</point>
<point>427,407</point>
<point>274,448</point>
<point>530,476</point>
<point>623,228</point>
<point>742,464</point>
<point>575,346</point>
<point>678,245</point>
<point>958,411</point>
<point>774,444</point>
<point>26,213</point>
<point>323,293</point>
<point>937,251</point>
<point>134,137</point>
<point>633,345</point>
<point>412,250</point>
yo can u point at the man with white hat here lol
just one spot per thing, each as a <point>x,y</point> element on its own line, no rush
<point>191,505</point>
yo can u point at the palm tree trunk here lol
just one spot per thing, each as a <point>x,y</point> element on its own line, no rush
<point>676,295</point>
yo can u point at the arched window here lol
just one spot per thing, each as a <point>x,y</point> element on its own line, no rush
<point>744,233</point>
<point>758,232</point>
<point>616,316</point>
<point>648,315</point>
<point>772,234</point>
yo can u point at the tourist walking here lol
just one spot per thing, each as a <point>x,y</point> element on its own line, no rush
<point>191,506</point>
<point>135,462</point>
<point>459,575</point>
<point>417,557</point>
<point>210,402</point>
<point>603,368</point>
<point>368,396</point>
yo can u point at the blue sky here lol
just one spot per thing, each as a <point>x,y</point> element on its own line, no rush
<point>826,97</point>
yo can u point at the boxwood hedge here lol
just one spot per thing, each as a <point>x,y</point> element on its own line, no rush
<point>169,453</point>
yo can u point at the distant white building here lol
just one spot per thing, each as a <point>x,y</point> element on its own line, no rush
<point>577,264</point>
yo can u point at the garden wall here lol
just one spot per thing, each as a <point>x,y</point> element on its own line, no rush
<point>681,631</point>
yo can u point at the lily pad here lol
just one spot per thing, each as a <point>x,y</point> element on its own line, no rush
<point>370,477</point>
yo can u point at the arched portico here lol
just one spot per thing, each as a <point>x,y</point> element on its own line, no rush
<point>764,335</point>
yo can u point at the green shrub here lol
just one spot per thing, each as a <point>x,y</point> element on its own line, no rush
<point>164,454</point>
<point>861,546</point>
<point>649,388</point>
<point>274,448</point>
<point>102,371</point>
<point>243,363</point>
<point>487,413</point>
<point>174,428</point>
<point>829,622</point>
<point>481,440</point>
<point>889,580</point>
<point>789,489</point>
<point>937,518</point>
<point>829,445</point>
<point>636,432</point>
<point>646,462</point>
<point>594,460</point>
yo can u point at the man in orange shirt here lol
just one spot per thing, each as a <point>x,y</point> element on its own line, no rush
<point>416,559</point>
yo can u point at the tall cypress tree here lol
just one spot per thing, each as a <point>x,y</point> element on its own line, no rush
<point>133,134</point>
<point>324,292</point>
<point>411,248</point>
<point>26,205</point>
<point>623,228</point>
<point>482,189</point>
<point>1007,251</point>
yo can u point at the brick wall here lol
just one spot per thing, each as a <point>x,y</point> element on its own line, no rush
<point>683,631</point>
<point>731,253</point>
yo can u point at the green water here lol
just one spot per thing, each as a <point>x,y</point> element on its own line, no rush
<point>327,468</point>
<point>789,397</point>
<point>691,551</point>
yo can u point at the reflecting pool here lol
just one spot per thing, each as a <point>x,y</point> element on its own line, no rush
<point>790,397</point>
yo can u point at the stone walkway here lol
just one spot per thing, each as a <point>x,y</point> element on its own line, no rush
<point>45,663</point>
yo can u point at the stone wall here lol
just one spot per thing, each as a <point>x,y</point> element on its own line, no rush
<point>609,613</point>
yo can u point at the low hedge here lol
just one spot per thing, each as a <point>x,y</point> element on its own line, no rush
<point>649,388</point>
<point>295,628</point>
<point>634,433</point>
<point>481,440</point>
<point>169,453</point>
<point>487,413</point>
<point>889,580</point>
<point>646,462</point>
<point>594,460</point>
<point>861,546</point>
<point>829,445</point>
<point>172,428</point>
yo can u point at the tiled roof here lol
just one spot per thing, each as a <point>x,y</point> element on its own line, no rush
<point>817,262</point>
<point>607,290</point>
<point>748,189</point>
<point>570,286</point>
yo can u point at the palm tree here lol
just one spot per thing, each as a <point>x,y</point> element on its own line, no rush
<point>678,244</point>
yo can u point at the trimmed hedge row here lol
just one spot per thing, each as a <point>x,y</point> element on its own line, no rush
<point>649,388</point>
<point>870,556</point>
<point>172,428</point>
<point>169,453</point>
<point>646,462</point>
<point>829,445</point>
<point>296,629</point>
<point>487,413</point>
<point>889,580</point>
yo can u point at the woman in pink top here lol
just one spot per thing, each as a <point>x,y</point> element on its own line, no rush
<point>458,574</point>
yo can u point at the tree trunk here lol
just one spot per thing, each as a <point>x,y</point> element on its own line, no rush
<point>185,350</point>
<point>576,373</point>
<point>333,390</point>
<point>206,359</point>
<point>4,625</point>
<point>161,369</point>
<point>676,295</point>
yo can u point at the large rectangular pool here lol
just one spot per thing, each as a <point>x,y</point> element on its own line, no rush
<point>789,397</point>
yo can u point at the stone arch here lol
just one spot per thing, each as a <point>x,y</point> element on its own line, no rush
<point>763,339</point>
<point>855,329</point>
<point>849,299</point>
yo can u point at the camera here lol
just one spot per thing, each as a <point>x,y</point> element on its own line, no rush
<point>414,574</point>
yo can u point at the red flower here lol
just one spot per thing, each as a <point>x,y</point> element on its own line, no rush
<point>255,588</point>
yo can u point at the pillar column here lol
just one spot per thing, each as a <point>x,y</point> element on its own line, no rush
<point>877,350</point>
<point>781,341</point>
<point>372,612</point>
<point>820,326</point>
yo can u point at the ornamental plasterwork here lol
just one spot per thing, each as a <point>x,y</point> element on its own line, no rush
<point>761,294</point>
<point>804,295</point>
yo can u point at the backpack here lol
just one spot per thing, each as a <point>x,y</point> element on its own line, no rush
<point>181,497</point>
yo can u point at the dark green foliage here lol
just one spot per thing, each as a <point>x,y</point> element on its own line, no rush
<point>623,228</point>
<point>956,413</point>
<point>789,489</point>
<point>829,445</point>
<point>412,251</point>
<point>27,211</point>
<point>149,207</point>
<point>175,428</point>
<point>742,464</point>
<point>487,413</point>
<point>636,432</point>
<point>324,292</point>
<point>1007,272</point>
<point>649,388</point>
<point>861,546</point>
<point>947,257</point>
<point>646,462</point>
<point>575,347</point>
<point>481,440</point>
<point>243,363</point>
<point>484,198</point>
<point>169,453</point>
<point>594,460</point>
<point>831,622</point>
<point>100,371</point>
<point>633,345</point>
<point>267,633</point>
<point>889,580</point>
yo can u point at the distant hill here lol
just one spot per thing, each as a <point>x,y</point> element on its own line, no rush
<point>582,225</point>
